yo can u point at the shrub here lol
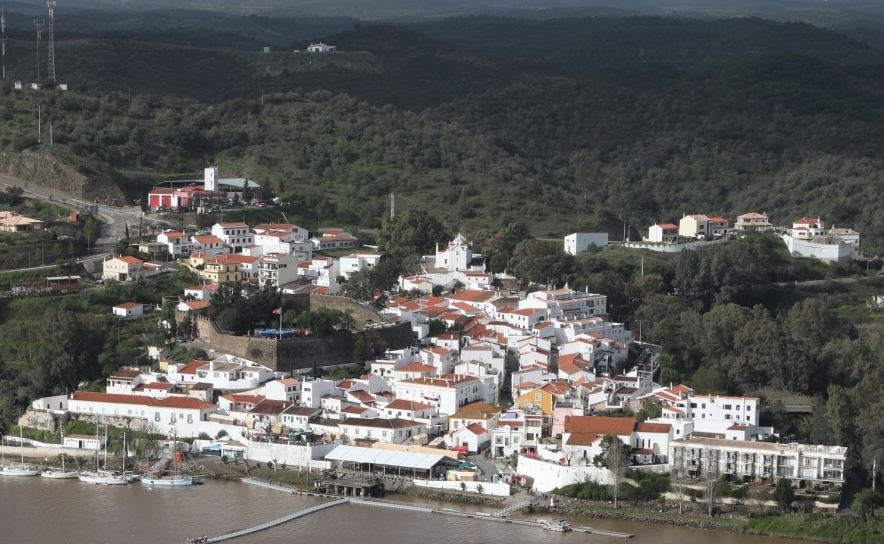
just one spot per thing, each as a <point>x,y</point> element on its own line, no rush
<point>224,459</point>
<point>221,434</point>
<point>479,489</point>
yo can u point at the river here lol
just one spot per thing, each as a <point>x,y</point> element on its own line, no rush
<point>36,510</point>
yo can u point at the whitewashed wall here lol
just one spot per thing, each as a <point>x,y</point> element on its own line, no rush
<point>548,476</point>
<point>488,488</point>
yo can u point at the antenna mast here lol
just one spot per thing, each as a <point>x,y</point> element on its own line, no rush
<point>39,37</point>
<point>3,39</point>
<point>51,6</point>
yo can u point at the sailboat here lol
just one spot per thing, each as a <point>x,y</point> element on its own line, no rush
<point>22,469</point>
<point>157,477</point>
<point>63,473</point>
<point>103,477</point>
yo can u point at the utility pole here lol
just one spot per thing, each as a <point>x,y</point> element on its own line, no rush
<point>39,124</point>
<point>50,135</point>
<point>392,205</point>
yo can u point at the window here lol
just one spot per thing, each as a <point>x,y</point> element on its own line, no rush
<point>156,416</point>
<point>693,405</point>
<point>749,408</point>
<point>704,405</point>
<point>727,406</point>
<point>738,407</point>
<point>537,396</point>
<point>727,416</point>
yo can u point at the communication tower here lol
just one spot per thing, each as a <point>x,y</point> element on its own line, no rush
<point>3,39</point>
<point>39,26</point>
<point>51,6</point>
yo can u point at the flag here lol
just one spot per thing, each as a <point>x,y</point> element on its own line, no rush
<point>277,311</point>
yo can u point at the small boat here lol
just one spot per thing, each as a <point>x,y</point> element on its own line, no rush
<point>104,477</point>
<point>62,474</point>
<point>176,478</point>
<point>22,469</point>
<point>558,525</point>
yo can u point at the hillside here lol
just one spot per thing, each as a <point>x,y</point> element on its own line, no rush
<point>746,123</point>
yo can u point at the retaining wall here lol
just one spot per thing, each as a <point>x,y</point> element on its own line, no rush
<point>488,488</point>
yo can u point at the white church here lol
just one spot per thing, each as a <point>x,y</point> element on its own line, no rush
<point>458,256</point>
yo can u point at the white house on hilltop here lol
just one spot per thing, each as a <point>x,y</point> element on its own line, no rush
<point>581,241</point>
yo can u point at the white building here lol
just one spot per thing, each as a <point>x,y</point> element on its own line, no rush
<point>225,372</point>
<point>277,269</point>
<point>756,221</point>
<point>746,461</point>
<point>179,415</point>
<point>202,292</point>
<point>395,430</point>
<point>321,48</point>
<point>358,261</point>
<point>334,239</point>
<point>287,389</point>
<point>177,244</point>
<point>665,232</point>
<point>565,304</point>
<point>123,269</point>
<point>811,237</point>
<point>235,235</point>
<point>458,255</point>
<point>210,244</point>
<point>448,392</point>
<point>581,241</point>
<point>312,391</point>
<point>285,242</point>
<point>129,309</point>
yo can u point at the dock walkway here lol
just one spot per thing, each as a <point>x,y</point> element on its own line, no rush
<point>276,522</point>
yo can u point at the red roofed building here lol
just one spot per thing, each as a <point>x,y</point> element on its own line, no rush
<point>663,233</point>
<point>179,415</point>
<point>123,269</point>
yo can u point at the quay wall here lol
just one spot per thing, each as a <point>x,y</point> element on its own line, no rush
<point>488,488</point>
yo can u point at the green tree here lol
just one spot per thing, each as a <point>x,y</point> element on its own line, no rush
<point>542,262</point>
<point>233,320</point>
<point>69,349</point>
<point>360,352</point>
<point>410,232</point>
<point>784,495</point>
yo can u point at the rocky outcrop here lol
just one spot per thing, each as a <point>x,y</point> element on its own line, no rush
<point>47,171</point>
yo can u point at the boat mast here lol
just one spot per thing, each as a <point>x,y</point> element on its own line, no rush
<point>124,452</point>
<point>105,447</point>
<point>62,450</point>
<point>21,446</point>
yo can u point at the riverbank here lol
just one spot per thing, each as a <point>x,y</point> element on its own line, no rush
<point>829,528</point>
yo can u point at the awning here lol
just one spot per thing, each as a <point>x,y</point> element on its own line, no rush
<point>401,459</point>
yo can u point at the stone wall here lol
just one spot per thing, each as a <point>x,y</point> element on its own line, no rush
<point>292,354</point>
<point>46,421</point>
<point>363,314</point>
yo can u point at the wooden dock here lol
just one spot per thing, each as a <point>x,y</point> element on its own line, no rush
<point>280,521</point>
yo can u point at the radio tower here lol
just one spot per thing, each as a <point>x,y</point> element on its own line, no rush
<point>39,37</point>
<point>3,39</point>
<point>51,6</point>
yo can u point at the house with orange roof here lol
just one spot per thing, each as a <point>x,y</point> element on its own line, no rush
<point>15,222</point>
<point>481,413</point>
<point>719,226</point>
<point>447,392</point>
<point>394,430</point>
<point>540,397</point>
<point>663,233</point>
<point>333,239</point>
<point>300,233</point>
<point>414,370</point>
<point>287,389</point>
<point>129,309</point>
<point>468,438</point>
<point>123,269</point>
<point>439,358</point>
<point>202,292</point>
<point>409,409</point>
<point>182,416</point>
<point>753,221</point>
<point>573,367</point>
<point>355,262</point>
<point>517,430</point>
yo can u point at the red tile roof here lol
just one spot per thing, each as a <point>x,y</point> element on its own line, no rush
<point>169,402</point>
<point>402,404</point>
<point>600,425</point>
<point>582,439</point>
<point>476,429</point>
<point>130,260</point>
<point>128,305</point>
<point>653,428</point>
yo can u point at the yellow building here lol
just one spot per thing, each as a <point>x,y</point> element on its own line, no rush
<point>198,259</point>
<point>221,271</point>
<point>537,398</point>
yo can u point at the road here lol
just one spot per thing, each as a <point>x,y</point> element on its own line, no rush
<point>113,228</point>
<point>820,282</point>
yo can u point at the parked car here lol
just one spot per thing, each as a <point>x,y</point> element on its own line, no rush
<point>98,282</point>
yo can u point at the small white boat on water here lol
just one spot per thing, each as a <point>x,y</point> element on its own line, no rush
<point>55,474</point>
<point>167,480</point>
<point>558,525</point>
<point>22,469</point>
<point>104,478</point>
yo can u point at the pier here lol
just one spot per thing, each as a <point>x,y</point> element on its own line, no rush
<point>280,521</point>
<point>499,516</point>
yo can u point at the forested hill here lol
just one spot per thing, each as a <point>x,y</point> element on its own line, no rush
<point>744,124</point>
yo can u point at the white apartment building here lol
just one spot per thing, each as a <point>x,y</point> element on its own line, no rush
<point>581,241</point>
<point>747,461</point>
<point>563,304</point>
<point>568,331</point>
<point>287,389</point>
<point>299,232</point>
<point>485,353</point>
<point>358,261</point>
<point>285,242</point>
<point>177,243</point>
<point>491,378</point>
<point>277,269</point>
<point>235,235</point>
<point>334,239</point>
<point>312,391</point>
<point>448,392</point>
